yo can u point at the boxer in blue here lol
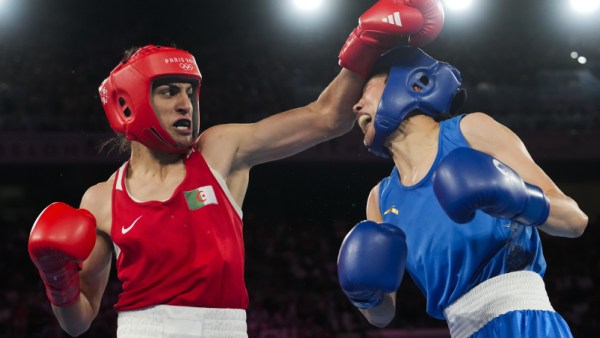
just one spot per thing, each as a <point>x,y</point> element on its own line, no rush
<point>461,210</point>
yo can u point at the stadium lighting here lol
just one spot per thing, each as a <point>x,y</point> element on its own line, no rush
<point>305,5</point>
<point>585,6</point>
<point>304,15</point>
<point>582,60</point>
<point>458,4</point>
<point>8,13</point>
<point>574,55</point>
<point>3,5</point>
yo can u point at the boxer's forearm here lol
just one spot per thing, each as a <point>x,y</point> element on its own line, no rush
<point>336,101</point>
<point>77,318</point>
<point>382,315</point>
<point>565,218</point>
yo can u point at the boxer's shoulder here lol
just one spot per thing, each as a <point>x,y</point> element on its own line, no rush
<point>97,199</point>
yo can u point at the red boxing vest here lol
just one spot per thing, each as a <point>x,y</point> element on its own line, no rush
<point>187,250</point>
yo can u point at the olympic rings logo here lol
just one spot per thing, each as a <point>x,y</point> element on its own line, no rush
<point>186,66</point>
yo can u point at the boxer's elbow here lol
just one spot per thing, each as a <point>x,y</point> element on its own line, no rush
<point>566,219</point>
<point>572,226</point>
<point>577,221</point>
<point>579,224</point>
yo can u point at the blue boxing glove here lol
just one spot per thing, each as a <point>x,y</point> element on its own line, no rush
<point>371,262</point>
<point>468,180</point>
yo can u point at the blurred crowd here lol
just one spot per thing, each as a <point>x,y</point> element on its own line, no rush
<point>49,82</point>
<point>292,233</point>
<point>292,282</point>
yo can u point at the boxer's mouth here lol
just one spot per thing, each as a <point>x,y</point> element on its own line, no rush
<point>182,124</point>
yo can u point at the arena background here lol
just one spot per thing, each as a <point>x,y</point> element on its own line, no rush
<point>260,57</point>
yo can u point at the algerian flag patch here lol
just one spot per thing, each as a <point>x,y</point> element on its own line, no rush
<point>200,197</point>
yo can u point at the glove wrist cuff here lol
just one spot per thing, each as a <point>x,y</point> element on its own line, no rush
<point>63,297</point>
<point>366,299</point>
<point>358,56</point>
<point>537,207</point>
<point>62,285</point>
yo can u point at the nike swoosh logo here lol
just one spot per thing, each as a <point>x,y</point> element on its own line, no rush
<point>125,230</point>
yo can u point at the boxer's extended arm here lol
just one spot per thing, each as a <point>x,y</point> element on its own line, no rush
<point>486,135</point>
<point>290,132</point>
<point>232,149</point>
<point>93,278</point>
<point>385,312</point>
<point>235,148</point>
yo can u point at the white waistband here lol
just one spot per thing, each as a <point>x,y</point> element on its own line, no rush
<point>165,321</point>
<point>522,290</point>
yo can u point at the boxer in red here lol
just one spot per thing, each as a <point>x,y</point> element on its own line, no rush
<point>172,213</point>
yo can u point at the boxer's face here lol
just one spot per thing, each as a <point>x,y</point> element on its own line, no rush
<point>366,107</point>
<point>172,103</point>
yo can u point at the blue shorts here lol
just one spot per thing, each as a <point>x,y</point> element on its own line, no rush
<point>526,323</point>
<point>511,305</point>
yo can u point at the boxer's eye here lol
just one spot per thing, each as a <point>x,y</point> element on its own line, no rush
<point>423,82</point>
<point>363,121</point>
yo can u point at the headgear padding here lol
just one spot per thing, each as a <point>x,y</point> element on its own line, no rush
<point>126,95</point>
<point>416,81</point>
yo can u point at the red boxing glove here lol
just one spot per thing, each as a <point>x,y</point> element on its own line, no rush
<point>382,26</point>
<point>61,238</point>
<point>433,21</point>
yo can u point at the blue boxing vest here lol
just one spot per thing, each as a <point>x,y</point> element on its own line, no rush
<point>447,259</point>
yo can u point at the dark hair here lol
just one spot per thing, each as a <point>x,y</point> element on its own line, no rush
<point>128,53</point>
<point>119,142</point>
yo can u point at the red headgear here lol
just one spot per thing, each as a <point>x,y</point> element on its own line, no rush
<point>125,95</point>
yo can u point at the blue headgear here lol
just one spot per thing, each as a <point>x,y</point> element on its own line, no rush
<point>409,67</point>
